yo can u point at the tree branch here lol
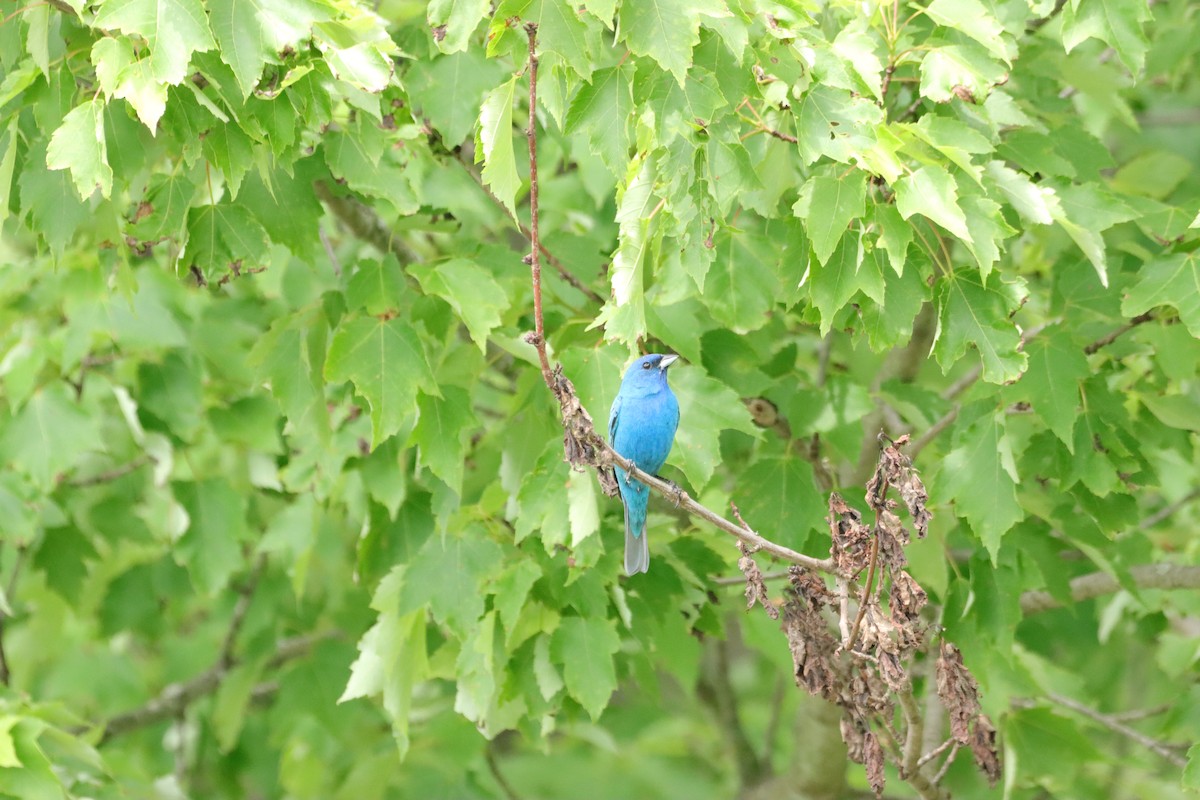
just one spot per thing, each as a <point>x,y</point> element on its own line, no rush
<point>716,691</point>
<point>913,734</point>
<point>534,259</point>
<point>1161,748</point>
<point>365,224</point>
<point>754,540</point>
<point>1111,337</point>
<point>176,697</point>
<point>1096,584</point>
<point>113,474</point>
<point>551,259</point>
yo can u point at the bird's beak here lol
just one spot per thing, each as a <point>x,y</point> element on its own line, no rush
<point>666,362</point>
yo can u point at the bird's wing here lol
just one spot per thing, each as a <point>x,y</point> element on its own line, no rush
<point>613,418</point>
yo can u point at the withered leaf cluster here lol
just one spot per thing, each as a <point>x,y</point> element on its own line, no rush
<point>866,668</point>
<point>756,587</point>
<point>582,446</point>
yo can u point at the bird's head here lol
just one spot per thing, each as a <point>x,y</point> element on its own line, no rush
<point>648,373</point>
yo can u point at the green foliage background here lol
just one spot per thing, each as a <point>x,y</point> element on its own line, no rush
<point>271,433</point>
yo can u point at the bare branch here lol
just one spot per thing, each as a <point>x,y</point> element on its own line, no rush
<point>1096,584</point>
<point>1112,336</point>
<point>534,259</point>
<point>913,734</point>
<point>1161,748</point>
<point>364,223</point>
<point>754,540</point>
<point>113,474</point>
<point>178,696</point>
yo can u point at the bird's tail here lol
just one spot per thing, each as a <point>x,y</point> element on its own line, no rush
<point>637,547</point>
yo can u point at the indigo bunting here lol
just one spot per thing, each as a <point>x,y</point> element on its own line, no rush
<point>641,427</point>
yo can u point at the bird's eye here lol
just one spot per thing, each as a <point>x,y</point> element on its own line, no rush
<point>645,365</point>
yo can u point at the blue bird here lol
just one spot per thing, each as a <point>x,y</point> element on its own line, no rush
<point>641,427</point>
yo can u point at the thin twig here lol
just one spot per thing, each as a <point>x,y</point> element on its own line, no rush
<point>365,224</point>
<point>551,259</point>
<point>245,594</point>
<point>1142,713</point>
<point>1161,748</point>
<point>750,537</point>
<point>1096,584</point>
<point>113,474</point>
<point>329,251</point>
<point>934,753</point>
<point>941,773</point>
<point>1168,511</point>
<point>535,252</point>
<point>862,605</point>
<point>913,734</point>
<point>489,755</point>
<point>176,697</point>
<point>1111,337</point>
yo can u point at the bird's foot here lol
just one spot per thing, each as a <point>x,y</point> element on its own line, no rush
<point>676,492</point>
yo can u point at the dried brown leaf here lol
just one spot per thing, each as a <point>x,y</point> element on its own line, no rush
<point>581,443</point>
<point>854,734</point>
<point>756,587</point>
<point>906,599</point>
<point>851,538</point>
<point>983,747</point>
<point>874,763</point>
<point>958,691</point>
<point>809,639</point>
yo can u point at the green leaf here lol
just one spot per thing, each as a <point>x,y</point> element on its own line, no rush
<point>211,548</point>
<point>562,31</point>
<point>959,71</point>
<point>1085,212</point>
<point>974,19</point>
<point>832,122</point>
<point>1051,384</point>
<point>470,290</point>
<point>602,109</point>
<point>386,362</point>
<point>453,22</point>
<point>476,672</point>
<point>828,204</point>
<point>894,235</point>
<point>932,192</point>
<point>78,145</point>
<point>8,750</point>
<point>442,426</point>
<point>377,286</point>
<point>174,29</point>
<point>980,475</point>
<point>49,435</point>
<point>358,51</point>
<point>1191,772</point>
<point>496,144</point>
<point>585,648</point>
<point>448,574</point>
<point>778,497</point>
<point>50,200</point>
<point>988,230</point>
<point>666,30</point>
<point>291,356</point>
<point>1117,23</point>
<point>706,407</point>
<point>832,285</point>
<point>1037,204</point>
<point>450,90</point>
<point>123,76</point>
<point>224,239</point>
<point>1172,280</point>
<point>252,33</point>
<point>975,312</point>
